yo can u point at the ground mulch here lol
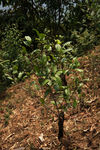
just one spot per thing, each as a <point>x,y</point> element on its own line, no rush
<point>26,124</point>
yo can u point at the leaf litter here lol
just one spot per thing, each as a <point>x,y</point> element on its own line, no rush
<point>32,125</point>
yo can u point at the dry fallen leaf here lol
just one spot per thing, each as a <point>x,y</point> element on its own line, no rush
<point>41,137</point>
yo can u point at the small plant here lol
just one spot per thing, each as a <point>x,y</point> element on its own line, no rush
<point>53,64</point>
<point>7,117</point>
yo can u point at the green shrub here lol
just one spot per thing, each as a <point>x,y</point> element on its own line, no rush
<point>53,64</point>
<point>83,41</point>
<point>17,65</point>
<point>11,43</point>
<point>3,83</point>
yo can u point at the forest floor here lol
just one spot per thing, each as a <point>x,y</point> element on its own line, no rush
<point>26,124</point>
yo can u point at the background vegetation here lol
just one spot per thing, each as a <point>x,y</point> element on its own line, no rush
<point>74,21</point>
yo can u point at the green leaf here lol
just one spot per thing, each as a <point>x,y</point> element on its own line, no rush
<point>47,92</point>
<point>67,92</point>
<point>79,90</point>
<point>42,36</point>
<point>57,79</point>
<point>47,81</point>
<point>36,32</point>
<point>36,51</point>
<point>63,60</point>
<point>54,69</point>
<point>75,63</point>
<point>44,58</point>
<point>37,70</point>
<point>15,67</point>
<point>40,81</point>
<point>79,70</point>
<point>48,70</point>
<point>20,75</point>
<point>81,84</point>
<point>58,47</point>
<point>53,102</point>
<point>33,82</point>
<point>36,86</point>
<point>65,71</point>
<point>15,72</point>
<point>28,38</point>
<point>58,41</point>
<point>42,100</point>
<point>67,50</point>
<point>24,77</point>
<point>24,51</point>
<point>84,80</point>
<point>67,44</point>
<point>56,87</point>
<point>59,73</point>
<point>26,43</point>
<point>27,60</point>
<point>77,81</point>
<point>74,103</point>
<point>10,78</point>
<point>48,47</point>
<point>53,57</point>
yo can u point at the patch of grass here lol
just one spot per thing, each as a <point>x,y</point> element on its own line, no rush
<point>8,112</point>
<point>7,117</point>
